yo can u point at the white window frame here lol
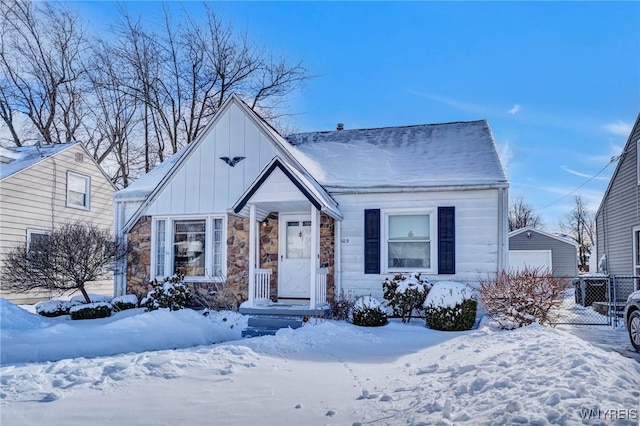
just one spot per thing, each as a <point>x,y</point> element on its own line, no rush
<point>433,239</point>
<point>87,187</point>
<point>31,232</point>
<point>169,247</point>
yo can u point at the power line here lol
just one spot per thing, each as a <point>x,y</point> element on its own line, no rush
<point>613,160</point>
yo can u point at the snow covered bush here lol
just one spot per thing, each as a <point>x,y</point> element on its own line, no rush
<point>171,293</point>
<point>122,303</point>
<point>55,308</point>
<point>450,306</point>
<point>341,307</point>
<point>90,311</point>
<point>405,293</point>
<point>368,312</point>
<point>93,298</point>
<point>517,298</point>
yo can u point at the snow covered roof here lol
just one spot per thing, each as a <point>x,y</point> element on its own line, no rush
<point>314,192</point>
<point>431,155</point>
<point>447,154</point>
<point>16,159</point>
<point>145,184</point>
<point>564,238</point>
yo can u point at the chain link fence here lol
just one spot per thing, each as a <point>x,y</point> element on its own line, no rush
<point>596,299</point>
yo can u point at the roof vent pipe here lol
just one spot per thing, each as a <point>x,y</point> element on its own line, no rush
<point>340,127</point>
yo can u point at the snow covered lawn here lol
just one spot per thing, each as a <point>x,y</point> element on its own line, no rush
<point>327,372</point>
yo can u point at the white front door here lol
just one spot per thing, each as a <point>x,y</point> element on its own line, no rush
<point>295,253</point>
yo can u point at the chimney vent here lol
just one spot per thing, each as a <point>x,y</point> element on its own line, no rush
<point>340,127</point>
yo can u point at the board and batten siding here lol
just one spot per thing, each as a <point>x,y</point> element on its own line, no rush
<point>620,212</point>
<point>204,183</point>
<point>476,234</point>
<point>36,198</point>
<point>564,256</point>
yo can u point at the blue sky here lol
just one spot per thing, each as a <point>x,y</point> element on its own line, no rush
<point>559,82</point>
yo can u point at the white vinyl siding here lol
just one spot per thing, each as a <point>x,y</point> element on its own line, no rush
<point>191,189</point>
<point>78,191</point>
<point>476,241</point>
<point>36,198</point>
<point>192,246</point>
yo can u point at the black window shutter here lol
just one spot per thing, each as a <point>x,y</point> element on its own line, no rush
<point>446,240</point>
<point>372,241</point>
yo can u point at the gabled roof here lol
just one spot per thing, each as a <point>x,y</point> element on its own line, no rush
<point>22,157</point>
<point>145,184</point>
<point>431,155</point>
<point>150,185</point>
<point>627,147</point>
<point>310,189</point>
<point>566,239</point>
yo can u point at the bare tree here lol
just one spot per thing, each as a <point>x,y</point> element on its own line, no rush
<point>68,258</point>
<point>41,48</point>
<point>522,215</point>
<point>579,223</point>
<point>186,71</point>
<point>135,96</point>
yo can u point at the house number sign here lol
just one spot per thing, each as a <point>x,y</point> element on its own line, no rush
<point>344,241</point>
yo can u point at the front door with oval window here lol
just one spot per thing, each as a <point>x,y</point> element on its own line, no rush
<point>294,255</point>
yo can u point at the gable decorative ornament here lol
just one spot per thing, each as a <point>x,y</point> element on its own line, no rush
<point>232,161</point>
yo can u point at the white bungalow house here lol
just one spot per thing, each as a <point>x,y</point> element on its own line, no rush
<point>44,187</point>
<point>300,219</point>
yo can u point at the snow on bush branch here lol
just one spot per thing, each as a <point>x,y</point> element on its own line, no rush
<point>517,298</point>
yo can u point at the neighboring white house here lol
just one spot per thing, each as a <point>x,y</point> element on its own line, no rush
<point>44,187</point>
<point>534,248</point>
<point>301,219</point>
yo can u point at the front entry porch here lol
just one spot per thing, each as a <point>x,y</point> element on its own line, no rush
<point>293,277</point>
<point>301,283</point>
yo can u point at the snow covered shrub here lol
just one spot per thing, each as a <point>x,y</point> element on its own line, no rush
<point>341,307</point>
<point>368,312</point>
<point>94,298</point>
<point>90,311</point>
<point>54,308</point>
<point>122,303</point>
<point>404,293</point>
<point>171,293</point>
<point>450,306</point>
<point>517,298</point>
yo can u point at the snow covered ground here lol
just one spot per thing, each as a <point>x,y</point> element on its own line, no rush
<point>129,370</point>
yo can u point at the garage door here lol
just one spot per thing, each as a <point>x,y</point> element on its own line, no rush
<point>518,259</point>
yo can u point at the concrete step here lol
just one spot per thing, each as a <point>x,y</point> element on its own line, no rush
<point>277,322</point>
<point>259,331</point>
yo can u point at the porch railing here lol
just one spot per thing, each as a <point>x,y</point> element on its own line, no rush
<point>321,286</point>
<point>262,291</point>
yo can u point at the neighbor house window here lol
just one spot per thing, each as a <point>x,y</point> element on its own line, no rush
<point>636,251</point>
<point>408,241</point>
<point>192,247</point>
<point>78,190</point>
<point>35,241</point>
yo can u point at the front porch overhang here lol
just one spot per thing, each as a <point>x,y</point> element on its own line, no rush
<point>282,188</point>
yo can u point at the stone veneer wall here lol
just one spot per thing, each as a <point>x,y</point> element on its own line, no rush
<point>139,257</point>
<point>327,252</point>
<point>269,250</point>
<point>238,256</point>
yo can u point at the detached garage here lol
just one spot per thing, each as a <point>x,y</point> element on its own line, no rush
<point>533,248</point>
